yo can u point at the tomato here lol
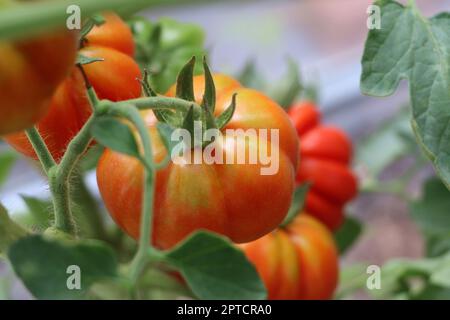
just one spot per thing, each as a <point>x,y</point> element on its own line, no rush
<point>30,71</point>
<point>113,33</point>
<point>231,199</point>
<point>296,262</point>
<point>113,79</point>
<point>325,154</point>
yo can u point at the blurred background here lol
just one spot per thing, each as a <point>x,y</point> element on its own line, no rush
<point>326,38</point>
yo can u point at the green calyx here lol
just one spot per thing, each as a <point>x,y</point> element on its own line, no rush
<point>203,113</point>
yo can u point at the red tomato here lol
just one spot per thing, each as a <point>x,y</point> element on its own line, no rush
<point>30,71</point>
<point>298,262</point>
<point>114,33</point>
<point>232,199</point>
<point>325,154</point>
<point>113,79</point>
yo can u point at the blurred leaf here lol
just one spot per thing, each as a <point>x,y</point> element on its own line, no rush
<point>386,145</point>
<point>116,135</point>
<point>250,77</point>
<point>165,131</point>
<point>41,211</point>
<point>298,201</point>
<point>289,87</point>
<point>43,264</point>
<point>432,212</point>
<point>347,234</point>
<point>9,231</point>
<point>91,157</point>
<point>351,279</point>
<point>7,160</point>
<point>215,269</point>
<point>432,292</point>
<point>82,59</point>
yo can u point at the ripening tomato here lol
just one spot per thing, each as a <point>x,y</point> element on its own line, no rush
<point>298,262</point>
<point>325,154</point>
<point>233,199</point>
<point>30,71</point>
<point>114,79</point>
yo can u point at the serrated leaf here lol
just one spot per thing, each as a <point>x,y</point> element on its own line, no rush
<point>409,46</point>
<point>82,59</point>
<point>298,202</point>
<point>115,135</point>
<point>42,264</point>
<point>7,160</point>
<point>227,114</point>
<point>216,269</point>
<point>185,82</point>
<point>347,234</point>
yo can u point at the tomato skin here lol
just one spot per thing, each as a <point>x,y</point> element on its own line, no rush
<point>114,33</point>
<point>113,79</point>
<point>325,154</point>
<point>30,71</point>
<point>231,199</point>
<point>299,262</point>
<point>304,115</point>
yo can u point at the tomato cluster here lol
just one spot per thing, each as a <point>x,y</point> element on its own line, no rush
<point>297,262</point>
<point>325,154</point>
<point>232,199</point>
<point>113,78</point>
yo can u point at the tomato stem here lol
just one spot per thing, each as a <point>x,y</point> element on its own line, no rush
<point>162,103</point>
<point>142,256</point>
<point>40,148</point>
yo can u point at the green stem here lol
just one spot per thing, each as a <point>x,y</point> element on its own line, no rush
<point>142,256</point>
<point>161,103</point>
<point>40,148</point>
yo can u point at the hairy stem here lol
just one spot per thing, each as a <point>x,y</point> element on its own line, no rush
<point>142,256</point>
<point>40,148</point>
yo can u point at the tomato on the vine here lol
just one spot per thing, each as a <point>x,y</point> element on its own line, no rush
<point>114,78</point>
<point>299,261</point>
<point>30,71</point>
<point>325,154</point>
<point>232,199</point>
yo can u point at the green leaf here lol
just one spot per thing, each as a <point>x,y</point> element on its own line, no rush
<point>351,279</point>
<point>40,210</point>
<point>386,145</point>
<point>7,160</point>
<point>188,124</point>
<point>347,234</point>
<point>250,77</point>
<point>432,212</point>
<point>289,87</point>
<point>227,114</point>
<point>209,97</point>
<point>9,231</point>
<point>409,46</point>
<point>115,135</point>
<point>43,265</point>
<point>82,59</point>
<point>185,82</point>
<point>215,269</point>
<point>298,202</point>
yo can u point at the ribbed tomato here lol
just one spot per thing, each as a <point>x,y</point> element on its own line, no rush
<point>233,199</point>
<point>114,78</point>
<point>299,262</point>
<point>325,154</point>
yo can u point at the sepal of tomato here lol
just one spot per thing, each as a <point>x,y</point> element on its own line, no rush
<point>233,199</point>
<point>297,262</point>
